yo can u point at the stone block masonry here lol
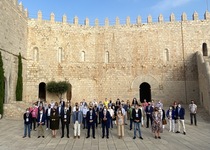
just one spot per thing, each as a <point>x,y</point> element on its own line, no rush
<point>153,60</point>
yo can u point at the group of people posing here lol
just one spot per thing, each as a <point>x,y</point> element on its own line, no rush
<point>106,113</point>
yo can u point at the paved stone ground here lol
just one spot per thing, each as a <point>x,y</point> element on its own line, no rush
<point>197,138</point>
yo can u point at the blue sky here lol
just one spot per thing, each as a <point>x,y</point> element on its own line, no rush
<point>111,9</point>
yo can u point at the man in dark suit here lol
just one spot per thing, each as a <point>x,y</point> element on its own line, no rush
<point>27,123</point>
<point>106,117</point>
<point>149,110</point>
<point>65,120</point>
<point>62,102</point>
<point>90,118</point>
<point>179,115</point>
<point>48,113</point>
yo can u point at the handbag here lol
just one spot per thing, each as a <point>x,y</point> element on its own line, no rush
<point>164,122</point>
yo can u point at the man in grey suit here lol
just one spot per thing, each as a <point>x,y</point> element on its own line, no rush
<point>77,120</point>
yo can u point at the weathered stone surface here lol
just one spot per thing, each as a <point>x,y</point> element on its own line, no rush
<point>102,61</point>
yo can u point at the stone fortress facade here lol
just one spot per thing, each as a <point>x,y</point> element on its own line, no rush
<point>165,61</point>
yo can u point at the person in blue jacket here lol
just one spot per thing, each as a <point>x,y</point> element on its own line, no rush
<point>170,114</point>
<point>179,115</point>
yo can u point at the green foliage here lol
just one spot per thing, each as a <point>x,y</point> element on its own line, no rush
<point>58,88</point>
<point>19,86</point>
<point>1,85</point>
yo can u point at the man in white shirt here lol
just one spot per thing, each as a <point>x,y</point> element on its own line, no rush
<point>193,110</point>
<point>159,104</point>
<point>111,111</point>
<point>95,102</point>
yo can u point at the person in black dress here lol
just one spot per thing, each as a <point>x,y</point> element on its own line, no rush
<point>54,122</point>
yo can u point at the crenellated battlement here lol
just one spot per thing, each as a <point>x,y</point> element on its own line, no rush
<point>19,7</point>
<point>160,18</point>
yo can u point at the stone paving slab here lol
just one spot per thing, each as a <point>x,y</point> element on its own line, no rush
<point>197,138</point>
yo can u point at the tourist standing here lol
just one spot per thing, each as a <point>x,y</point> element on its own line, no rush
<point>136,115</point>
<point>65,120</point>
<point>163,116</point>
<point>131,118</point>
<point>120,124</point>
<point>34,113</point>
<point>105,122</point>
<point>48,114</point>
<point>90,118</point>
<point>193,110</point>
<point>180,113</point>
<point>84,111</point>
<point>97,114</point>
<point>111,111</point>
<point>27,117</point>
<point>148,111</point>
<point>77,120</point>
<point>135,102</point>
<point>54,122</point>
<point>41,122</point>
<point>106,102</point>
<point>157,123</point>
<point>170,114</point>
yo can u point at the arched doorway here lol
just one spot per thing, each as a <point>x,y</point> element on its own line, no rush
<point>145,92</point>
<point>42,91</point>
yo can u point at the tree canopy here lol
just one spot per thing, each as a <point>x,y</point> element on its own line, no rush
<point>58,88</point>
<point>19,86</point>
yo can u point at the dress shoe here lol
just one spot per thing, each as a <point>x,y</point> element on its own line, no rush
<point>177,132</point>
<point>102,137</point>
<point>67,136</point>
<point>78,137</point>
<point>134,137</point>
<point>43,136</point>
<point>24,136</point>
<point>87,137</point>
<point>29,136</point>
<point>62,136</point>
<point>141,138</point>
<point>159,137</point>
<point>107,137</point>
<point>94,137</point>
<point>184,133</point>
<point>39,136</point>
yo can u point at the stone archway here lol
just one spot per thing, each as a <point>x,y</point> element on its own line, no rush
<point>145,92</point>
<point>42,91</point>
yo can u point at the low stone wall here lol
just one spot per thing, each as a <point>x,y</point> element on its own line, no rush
<point>15,110</point>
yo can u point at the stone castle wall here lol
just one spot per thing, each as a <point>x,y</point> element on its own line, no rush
<point>137,54</point>
<point>102,61</point>
<point>13,39</point>
<point>204,80</point>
